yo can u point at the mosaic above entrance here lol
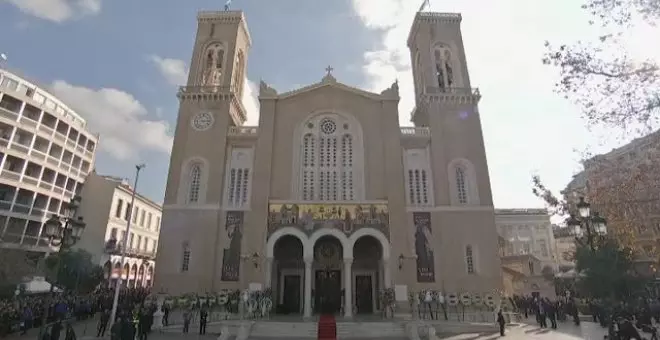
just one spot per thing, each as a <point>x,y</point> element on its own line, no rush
<point>346,217</point>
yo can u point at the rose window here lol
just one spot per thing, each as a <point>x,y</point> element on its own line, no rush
<point>328,126</point>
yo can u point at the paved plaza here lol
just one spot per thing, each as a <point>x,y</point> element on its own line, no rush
<point>566,331</point>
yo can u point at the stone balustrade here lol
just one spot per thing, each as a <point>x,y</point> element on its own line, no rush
<point>242,131</point>
<point>415,131</point>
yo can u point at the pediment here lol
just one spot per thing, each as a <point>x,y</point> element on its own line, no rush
<point>392,93</point>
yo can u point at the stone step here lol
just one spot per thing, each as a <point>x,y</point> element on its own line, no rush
<point>379,330</point>
<point>284,329</point>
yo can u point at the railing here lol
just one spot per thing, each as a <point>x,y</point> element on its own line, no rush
<point>440,15</point>
<point>452,90</point>
<point>203,89</point>
<point>114,247</point>
<point>243,130</point>
<point>416,131</point>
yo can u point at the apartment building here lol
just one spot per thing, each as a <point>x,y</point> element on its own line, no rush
<point>526,232</point>
<point>46,151</point>
<point>106,205</point>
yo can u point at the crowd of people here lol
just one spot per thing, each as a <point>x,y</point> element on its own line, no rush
<point>545,309</point>
<point>23,312</point>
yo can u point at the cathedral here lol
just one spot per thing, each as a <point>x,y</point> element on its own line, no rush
<point>328,201</point>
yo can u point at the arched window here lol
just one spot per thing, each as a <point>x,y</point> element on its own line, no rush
<point>419,74</point>
<point>444,70</point>
<point>469,259</point>
<point>194,183</point>
<point>239,72</point>
<point>461,185</point>
<point>213,62</point>
<point>185,257</point>
<point>328,160</point>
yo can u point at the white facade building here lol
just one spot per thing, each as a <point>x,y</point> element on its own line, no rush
<point>46,151</point>
<point>527,231</point>
<point>106,206</point>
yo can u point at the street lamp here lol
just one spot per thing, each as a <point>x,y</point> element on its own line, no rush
<point>62,232</point>
<point>118,282</point>
<point>587,224</point>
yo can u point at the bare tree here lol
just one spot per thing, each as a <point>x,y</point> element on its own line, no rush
<point>625,192</point>
<point>611,87</point>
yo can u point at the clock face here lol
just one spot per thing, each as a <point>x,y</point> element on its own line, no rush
<point>202,121</point>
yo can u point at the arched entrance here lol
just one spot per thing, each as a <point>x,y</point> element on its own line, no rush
<point>327,268</point>
<point>288,271</point>
<point>367,274</point>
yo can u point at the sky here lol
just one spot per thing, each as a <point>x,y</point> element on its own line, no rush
<point>119,62</point>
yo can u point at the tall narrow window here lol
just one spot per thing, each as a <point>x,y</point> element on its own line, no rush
<point>120,205</point>
<point>417,177</point>
<point>195,182</point>
<point>444,70</point>
<point>239,171</point>
<point>461,185</point>
<point>185,257</point>
<point>327,161</point>
<point>469,259</point>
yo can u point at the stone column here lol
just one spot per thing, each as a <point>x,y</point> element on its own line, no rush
<point>387,279</point>
<point>308,288</point>
<point>268,272</point>
<point>348,289</point>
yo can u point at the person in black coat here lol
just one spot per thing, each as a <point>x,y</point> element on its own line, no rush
<point>501,322</point>
<point>55,330</point>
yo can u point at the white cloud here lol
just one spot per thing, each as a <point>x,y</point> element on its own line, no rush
<point>176,73</point>
<point>251,102</point>
<point>527,127</point>
<point>57,10</point>
<point>174,70</point>
<point>120,119</point>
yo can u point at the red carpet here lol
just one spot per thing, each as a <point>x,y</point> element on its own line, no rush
<point>327,329</point>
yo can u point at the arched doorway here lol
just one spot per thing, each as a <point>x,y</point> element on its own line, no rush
<point>288,274</point>
<point>327,273</point>
<point>367,274</point>
<point>107,270</point>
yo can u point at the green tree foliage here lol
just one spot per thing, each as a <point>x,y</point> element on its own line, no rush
<point>75,270</point>
<point>611,87</point>
<point>15,266</point>
<point>608,271</point>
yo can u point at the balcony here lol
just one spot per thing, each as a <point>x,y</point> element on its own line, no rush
<point>113,247</point>
<point>243,131</point>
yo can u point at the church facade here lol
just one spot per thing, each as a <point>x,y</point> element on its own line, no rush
<point>328,201</point>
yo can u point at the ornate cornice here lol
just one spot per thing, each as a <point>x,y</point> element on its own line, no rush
<point>226,17</point>
<point>432,18</point>
<point>454,95</point>
<point>214,93</point>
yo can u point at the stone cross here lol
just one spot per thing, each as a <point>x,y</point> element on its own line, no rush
<point>329,69</point>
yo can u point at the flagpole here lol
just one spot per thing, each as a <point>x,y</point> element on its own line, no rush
<point>425,3</point>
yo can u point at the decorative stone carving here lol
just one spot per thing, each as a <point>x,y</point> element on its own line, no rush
<point>348,218</point>
<point>265,90</point>
<point>392,91</point>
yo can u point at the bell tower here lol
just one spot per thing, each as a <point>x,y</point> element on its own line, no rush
<point>219,58</point>
<point>209,104</point>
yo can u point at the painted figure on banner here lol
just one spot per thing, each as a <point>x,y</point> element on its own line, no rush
<point>423,248</point>
<point>346,217</point>
<point>231,257</point>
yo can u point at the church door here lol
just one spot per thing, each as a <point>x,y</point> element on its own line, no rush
<point>364,294</point>
<point>291,298</point>
<point>327,291</point>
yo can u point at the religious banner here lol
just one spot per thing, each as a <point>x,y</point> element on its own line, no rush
<point>423,247</point>
<point>231,256</point>
<point>346,217</point>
